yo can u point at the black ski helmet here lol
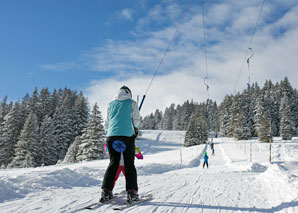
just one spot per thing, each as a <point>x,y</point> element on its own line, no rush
<point>127,90</point>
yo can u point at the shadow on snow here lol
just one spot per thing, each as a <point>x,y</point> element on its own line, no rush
<point>283,205</point>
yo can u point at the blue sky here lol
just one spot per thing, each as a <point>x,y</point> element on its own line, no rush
<point>43,42</point>
<point>97,46</point>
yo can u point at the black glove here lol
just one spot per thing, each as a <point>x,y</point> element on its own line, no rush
<point>136,132</point>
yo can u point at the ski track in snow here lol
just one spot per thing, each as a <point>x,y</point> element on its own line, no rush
<point>231,183</point>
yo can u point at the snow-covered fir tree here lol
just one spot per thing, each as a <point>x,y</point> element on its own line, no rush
<point>197,132</point>
<point>72,152</point>
<point>271,104</point>
<point>48,142</point>
<point>191,133</point>
<point>259,113</point>
<point>44,103</point>
<point>151,121</point>
<point>225,116</point>
<point>3,113</point>
<point>240,126</point>
<point>80,114</point>
<point>286,124</point>
<point>210,110</point>
<point>157,119</point>
<point>167,122</point>
<point>9,135</point>
<point>63,126</point>
<point>253,92</point>
<point>285,88</point>
<point>3,109</point>
<point>92,139</point>
<point>178,122</point>
<point>187,111</point>
<point>34,104</point>
<point>295,112</point>
<point>264,129</point>
<point>54,102</point>
<point>145,123</point>
<point>28,151</point>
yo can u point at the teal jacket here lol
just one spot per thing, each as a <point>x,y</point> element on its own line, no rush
<point>122,116</point>
<point>205,158</point>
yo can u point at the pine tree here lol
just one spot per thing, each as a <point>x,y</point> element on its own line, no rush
<point>271,104</point>
<point>254,93</point>
<point>225,116</point>
<point>240,131</point>
<point>295,112</point>
<point>197,132</point>
<point>3,113</point>
<point>145,123</point>
<point>167,122</point>
<point>54,102</point>
<point>63,122</point>
<point>93,138</point>
<point>178,123</point>
<point>80,114</point>
<point>241,125</point>
<point>187,111</point>
<point>44,103</point>
<point>48,142</point>
<point>34,104</point>
<point>157,119</point>
<point>10,133</point>
<point>191,133</point>
<point>285,88</point>
<point>27,152</point>
<point>3,109</point>
<point>151,121</point>
<point>25,109</point>
<point>264,133</point>
<point>212,116</point>
<point>259,113</point>
<point>286,125</point>
<point>71,155</point>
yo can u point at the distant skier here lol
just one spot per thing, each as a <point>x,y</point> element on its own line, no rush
<point>213,151</point>
<point>211,145</point>
<point>123,120</point>
<point>205,160</point>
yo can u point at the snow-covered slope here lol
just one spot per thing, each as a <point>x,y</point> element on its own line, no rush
<point>173,174</point>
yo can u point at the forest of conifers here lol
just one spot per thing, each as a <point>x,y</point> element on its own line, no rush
<point>46,127</point>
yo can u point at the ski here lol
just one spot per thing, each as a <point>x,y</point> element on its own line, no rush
<point>96,205</point>
<point>142,199</point>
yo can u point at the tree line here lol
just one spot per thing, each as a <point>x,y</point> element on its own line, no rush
<point>254,112</point>
<point>46,128</point>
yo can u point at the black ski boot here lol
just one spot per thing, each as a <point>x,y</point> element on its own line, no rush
<point>132,196</point>
<point>106,195</point>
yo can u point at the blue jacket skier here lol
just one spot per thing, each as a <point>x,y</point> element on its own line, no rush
<point>123,120</point>
<point>205,160</point>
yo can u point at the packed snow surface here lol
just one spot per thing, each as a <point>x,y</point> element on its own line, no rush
<point>239,179</point>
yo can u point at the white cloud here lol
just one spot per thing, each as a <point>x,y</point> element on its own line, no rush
<point>171,88</point>
<point>63,66</point>
<point>229,28</point>
<point>127,14</point>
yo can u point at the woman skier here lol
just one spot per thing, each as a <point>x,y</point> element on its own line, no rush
<point>123,120</point>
